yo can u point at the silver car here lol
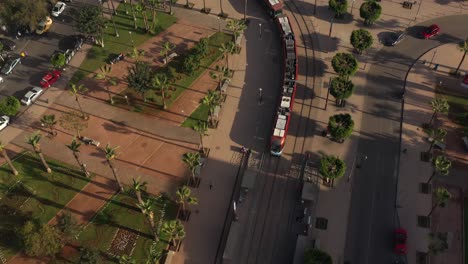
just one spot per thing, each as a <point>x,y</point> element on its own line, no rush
<point>32,95</point>
<point>4,121</point>
<point>10,64</point>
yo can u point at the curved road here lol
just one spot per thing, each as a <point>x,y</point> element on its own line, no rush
<point>372,215</point>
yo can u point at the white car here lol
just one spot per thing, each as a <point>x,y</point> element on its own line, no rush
<point>32,95</point>
<point>58,8</point>
<point>4,121</point>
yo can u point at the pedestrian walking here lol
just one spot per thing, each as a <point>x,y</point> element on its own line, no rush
<point>211,186</point>
<point>404,151</point>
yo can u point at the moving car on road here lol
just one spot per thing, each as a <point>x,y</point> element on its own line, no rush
<point>32,95</point>
<point>50,78</point>
<point>400,247</point>
<point>44,25</point>
<point>10,64</point>
<point>430,31</point>
<point>58,8</point>
<point>395,38</point>
<point>4,121</point>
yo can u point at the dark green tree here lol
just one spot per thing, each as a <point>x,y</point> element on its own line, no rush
<point>341,89</point>
<point>340,126</point>
<point>140,78</point>
<point>9,106</point>
<point>332,167</point>
<point>89,21</point>
<point>40,239</point>
<point>23,13</point>
<point>190,64</point>
<point>370,11</point>
<point>58,60</point>
<point>161,83</point>
<point>68,226</point>
<point>339,7</point>
<point>344,64</point>
<point>89,256</point>
<point>202,47</point>
<point>316,256</point>
<point>361,40</point>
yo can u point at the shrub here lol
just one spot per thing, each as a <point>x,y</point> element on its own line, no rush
<point>191,64</point>
<point>9,106</point>
<point>361,40</point>
<point>370,11</point>
<point>344,64</point>
<point>340,126</point>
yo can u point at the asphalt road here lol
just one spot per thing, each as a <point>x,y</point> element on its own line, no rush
<point>40,48</point>
<point>372,215</point>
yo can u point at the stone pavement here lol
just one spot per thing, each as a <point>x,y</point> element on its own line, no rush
<point>420,85</point>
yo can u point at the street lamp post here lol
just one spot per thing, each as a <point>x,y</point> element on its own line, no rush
<point>352,6</point>
<point>260,29</point>
<point>245,10</point>
<point>260,96</point>
<point>219,24</point>
<point>131,38</point>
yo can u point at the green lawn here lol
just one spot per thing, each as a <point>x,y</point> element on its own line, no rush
<point>153,105</point>
<point>33,194</point>
<point>98,56</point>
<point>458,109</point>
<point>200,114</point>
<point>126,216</point>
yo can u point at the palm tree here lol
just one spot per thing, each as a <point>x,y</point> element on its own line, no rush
<point>236,26</point>
<point>146,208</point>
<point>438,136</point>
<point>141,8</point>
<point>133,14</point>
<point>49,121</point>
<point>204,10</point>
<point>75,91</point>
<point>161,83</point>
<point>192,159</point>
<point>463,47</point>
<point>7,158</point>
<point>154,5</point>
<point>227,49</point>
<point>110,80</point>
<point>439,105</point>
<point>221,74</point>
<point>33,140</point>
<point>174,229</point>
<point>166,48</point>
<point>441,195</point>
<point>75,148</point>
<point>138,187</point>
<point>441,166</point>
<point>202,128</point>
<point>184,196</point>
<point>111,154</point>
<point>211,99</point>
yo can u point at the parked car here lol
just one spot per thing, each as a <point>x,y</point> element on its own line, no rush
<point>77,42</point>
<point>401,236</point>
<point>4,121</point>
<point>32,95</point>
<point>50,78</point>
<point>114,58</point>
<point>395,38</point>
<point>8,45</point>
<point>44,26</point>
<point>169,58</point>
<point>10,64</point>
<point>430,31</point>
<point>58,8</point>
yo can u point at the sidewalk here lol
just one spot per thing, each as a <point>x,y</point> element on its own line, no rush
<point>420,85</point>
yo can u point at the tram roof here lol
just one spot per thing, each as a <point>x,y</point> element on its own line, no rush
<point>285,26</point>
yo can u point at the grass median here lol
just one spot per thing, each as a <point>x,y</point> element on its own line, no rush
<point>33,194</point>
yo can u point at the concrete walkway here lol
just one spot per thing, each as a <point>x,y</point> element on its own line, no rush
<point>420,88</point>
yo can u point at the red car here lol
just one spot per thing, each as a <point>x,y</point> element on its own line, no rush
<point>50,78</point>
<point>400,241</point>
<point>430,31</point>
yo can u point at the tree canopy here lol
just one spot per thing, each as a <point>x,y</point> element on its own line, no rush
<point>89,20</point>
<point>339,7</point>
<point>370,11</point>
<point>361,39</point>
<point>344,64</point>
<point>23,13</point>
<point>40,240</point>
<point>341,88</point>
<point>9,106</point>
<point>340,126</point>
<point>316,256</point>
<point>140,77</point>
<point>58,60</point>
<point>332,167</point>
